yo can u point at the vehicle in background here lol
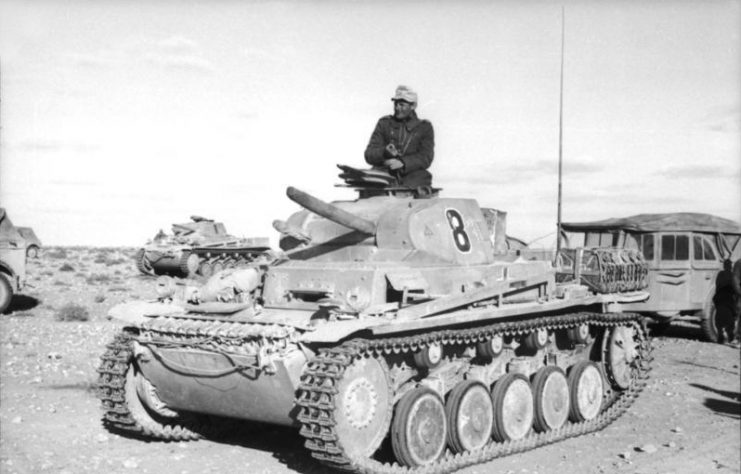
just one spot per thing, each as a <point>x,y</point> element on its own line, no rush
<point>33,244</point>
<point>201,247</point>
<point>684,252</point>
<point>12,260</point>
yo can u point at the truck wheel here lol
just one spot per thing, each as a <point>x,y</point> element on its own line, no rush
<point>6,292</point>
<point>707,323</point>
<point>32,251</point>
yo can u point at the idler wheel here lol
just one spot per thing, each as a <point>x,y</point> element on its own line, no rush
<point>470,416</point>
<point>620,354</point>
<point>551,398</point>
<point>537,339</point>
<point>188,263</point>
<point>149,398</point>
<point>364,401</point>
<point>579,334</point>
<point>586,389</point>
<point>142,263</point>
<point>419,429</point>
<point>513,407</point>
<point>148,411</point>
<point>429,357</point>
<point>490,349</point>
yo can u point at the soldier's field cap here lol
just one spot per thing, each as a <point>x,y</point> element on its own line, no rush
<point>406,94</point>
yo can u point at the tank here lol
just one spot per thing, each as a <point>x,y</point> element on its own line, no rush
<point>392,333</point>
<point>12,260</point>
<point>201,247</point>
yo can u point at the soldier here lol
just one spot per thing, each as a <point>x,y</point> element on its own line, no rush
<point>402,143</point>
<point>726,292</point>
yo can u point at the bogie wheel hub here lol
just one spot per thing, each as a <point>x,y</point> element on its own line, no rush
<point>513,407</point>
<point>419,429</point>
<point>551,397</point>
<point>470,416</point>
<point>586,389</point>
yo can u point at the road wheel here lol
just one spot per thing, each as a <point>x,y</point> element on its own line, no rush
<point>513,407</point>
<point>205,269</point>
<point>419,430</point>
<point>551,398</point>
<point>6,292</point>
<point>470,416</point>
<point>188,264</point>
<point>586,388</point>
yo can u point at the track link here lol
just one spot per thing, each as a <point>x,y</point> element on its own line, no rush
<point>316,395</point>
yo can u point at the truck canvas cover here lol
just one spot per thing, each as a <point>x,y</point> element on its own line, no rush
<point>672,222</point>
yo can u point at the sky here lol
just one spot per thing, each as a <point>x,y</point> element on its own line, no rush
<point>119,118</point>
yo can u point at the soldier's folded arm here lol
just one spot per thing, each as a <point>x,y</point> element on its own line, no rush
<point>422,159</point>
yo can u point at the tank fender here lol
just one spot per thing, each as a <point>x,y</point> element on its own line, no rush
<point>340,330</point>
<point>6,269</point>
<point>136,312</point>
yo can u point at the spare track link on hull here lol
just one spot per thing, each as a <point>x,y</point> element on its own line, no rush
<point>316,397</point>
<point>115,363</point>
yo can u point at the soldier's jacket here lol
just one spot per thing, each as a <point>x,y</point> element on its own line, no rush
<point>414,138</point>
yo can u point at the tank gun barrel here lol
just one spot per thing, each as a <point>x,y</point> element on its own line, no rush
<point>331,212</point>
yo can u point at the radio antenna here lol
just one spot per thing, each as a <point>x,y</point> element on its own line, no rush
<point>560,135</point>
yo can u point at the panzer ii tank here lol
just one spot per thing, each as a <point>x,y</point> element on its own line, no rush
<point>392,334</point>
<point>201,247</point>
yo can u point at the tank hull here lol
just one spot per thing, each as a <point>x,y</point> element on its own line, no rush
<point>211,383</point>
<point>191,261</point>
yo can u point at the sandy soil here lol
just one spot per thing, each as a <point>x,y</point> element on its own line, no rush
<point>686,421</point>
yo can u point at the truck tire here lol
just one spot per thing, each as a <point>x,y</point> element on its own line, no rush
<point>6,292</point>
<point>32,251</point>
<point>707,321</point>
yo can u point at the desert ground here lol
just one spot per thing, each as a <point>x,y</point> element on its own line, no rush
<point>687,420</point>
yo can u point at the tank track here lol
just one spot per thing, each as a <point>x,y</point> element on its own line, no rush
<point>317,403</point>
<point>115,363</point>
